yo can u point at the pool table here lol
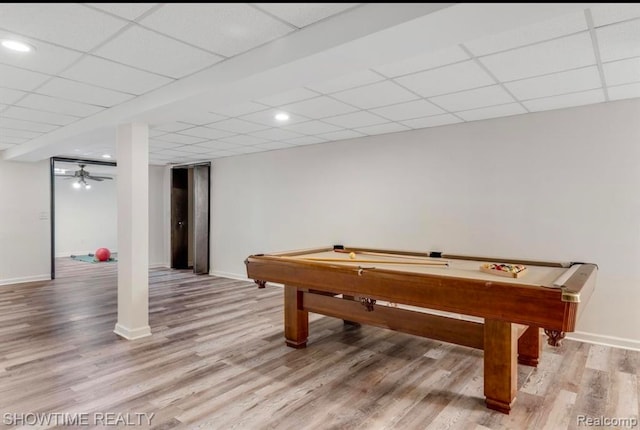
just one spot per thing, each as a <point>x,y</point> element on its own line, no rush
<point>397,289</point>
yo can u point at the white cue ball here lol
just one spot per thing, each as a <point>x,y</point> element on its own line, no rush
<point>352,255</point>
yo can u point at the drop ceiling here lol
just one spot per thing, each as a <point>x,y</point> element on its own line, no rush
<point>209,78</point>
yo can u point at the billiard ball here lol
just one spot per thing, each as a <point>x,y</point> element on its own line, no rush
<point>352,255</point>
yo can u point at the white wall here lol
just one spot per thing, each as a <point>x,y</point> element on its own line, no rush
<point>159,215</point>
<point>85,219</point>
<point>24,222</point>
<point>559,185</point>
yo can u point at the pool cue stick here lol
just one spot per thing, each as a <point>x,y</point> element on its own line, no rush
<point>355,260</point>
<point>419,257</point>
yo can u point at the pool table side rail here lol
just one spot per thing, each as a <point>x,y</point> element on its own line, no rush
<point>524,304</point>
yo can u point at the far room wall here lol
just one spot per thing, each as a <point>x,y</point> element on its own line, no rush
<point>560,185</point>
<point>85,219</point>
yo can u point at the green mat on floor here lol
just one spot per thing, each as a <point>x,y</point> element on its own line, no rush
<point>90,258</point>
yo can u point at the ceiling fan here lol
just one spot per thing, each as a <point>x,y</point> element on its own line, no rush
<point>82,176</point>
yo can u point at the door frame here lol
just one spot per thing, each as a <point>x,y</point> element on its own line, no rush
<point>52,199</point>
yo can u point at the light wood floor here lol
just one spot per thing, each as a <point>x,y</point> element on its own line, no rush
<point>217,360</point>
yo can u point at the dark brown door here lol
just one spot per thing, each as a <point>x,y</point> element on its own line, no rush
<point>179,218</point>
<point>201,219</point>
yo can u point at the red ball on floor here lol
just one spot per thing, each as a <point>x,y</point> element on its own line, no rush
<point>103,254</point>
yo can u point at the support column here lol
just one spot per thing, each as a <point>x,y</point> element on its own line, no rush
<point>133,231</point>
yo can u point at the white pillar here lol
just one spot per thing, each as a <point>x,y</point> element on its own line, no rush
<point>133,231</point>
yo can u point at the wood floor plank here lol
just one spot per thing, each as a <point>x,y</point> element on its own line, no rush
<point>217,359</point>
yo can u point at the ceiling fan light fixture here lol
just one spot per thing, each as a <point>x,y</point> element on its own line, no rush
<point>87,186</point>
<point>76,185</point>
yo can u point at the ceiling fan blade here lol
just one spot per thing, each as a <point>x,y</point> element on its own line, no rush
<point>93,178</point>
<point>98,178</point>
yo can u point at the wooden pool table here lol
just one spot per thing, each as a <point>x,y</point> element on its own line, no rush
<point>396,290</point>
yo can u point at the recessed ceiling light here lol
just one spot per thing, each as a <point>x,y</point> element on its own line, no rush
<point>106,156</point>
<point>282,116</point>
<point>16,45</point>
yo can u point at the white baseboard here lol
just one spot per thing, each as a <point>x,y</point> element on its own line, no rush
<point>229,275</point>
<point>599,339</point>
<point>158,265</point>
<point>132,334</point>
<point>24,279</point>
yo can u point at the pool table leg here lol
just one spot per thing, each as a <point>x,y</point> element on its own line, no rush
<point>500,364</point>
<point>296,320</point>
<point>529,347</point>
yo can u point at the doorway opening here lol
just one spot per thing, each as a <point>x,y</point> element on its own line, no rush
<point>190,185</point>
<point>83,206</point>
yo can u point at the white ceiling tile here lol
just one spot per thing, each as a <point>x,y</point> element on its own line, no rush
<point>355,120</point>
<point>472,99</point>
<point>622,72</point>
<point>319,107</point>
<point>206,132</point>
<point>586,78</point>
<point>238,126</point>
<point>19,124</point>
<point>561,26</point>
<point>303,14</point>
<point>158,145</point>
<point>341,135</point>
<point>84,93</point>
<point>276,134</point>
<point>198,117</point>
<point>409,110</point>
<point>224,28</point>
<point>180,138</point>
<point>173,152</point>
<point>215,145</point>
<point>306,140</point>
<point>248,149</point>
<point>609,13</point>
<point>156,53</point>
<point>172,126</point>
<point>428,60</point>
<point>557,55</point>
<point>11,140</point>
<point>195,149</point>
<point>54,104</point>
<point>108,74</point>
<point>156,133</point>
<point>619,41</point>
<point>346,82</point>
<point>4,146</point>
<point>274,145</point>
<point>20,79</point>
<point>129,11</point>
<point>239,109</point>
<point>390,127</point>
<point>9,96</point>
<point>313,127</point>
<point>67,24</point>
<point>492,112</point>
<point>565,101</point>
<point>47,58</point>
<point>431,121</point>
<point>27,114</point>
<point>19,133</point>
<point>375,95</point>
<point>447,79</point>
<point>291,96</point>
<point>624,91</point>
<point>268,117</point>
<point>243,139</point>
